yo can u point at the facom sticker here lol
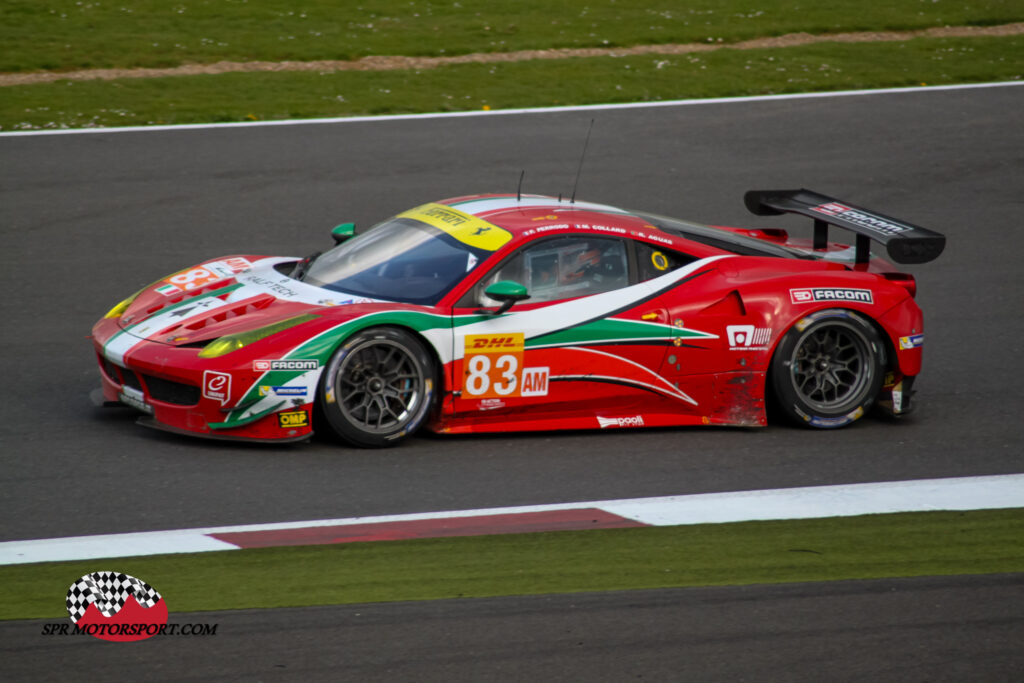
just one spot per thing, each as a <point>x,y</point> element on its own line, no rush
<point>285,364</point>
<point>811,295</point>
<point>861,218</point>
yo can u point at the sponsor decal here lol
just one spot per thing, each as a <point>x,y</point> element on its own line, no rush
<point>912,342</point>
<point>748,337</point>
<point>605,422</point>
<point>266,390</point>
<point>810,295</point>
<point>659,260</point>
<point>494,368</point>
<point>217,386</point>
<point>194,278</point>
<point>285,364</point>
<point>276,287</point>
<point>464,227</point>
<point>535,382</point>
<point>490,404</point>
<point>297,418</point>
<point>135,399</point>
<point>861,218</point>
<point>830,422</point>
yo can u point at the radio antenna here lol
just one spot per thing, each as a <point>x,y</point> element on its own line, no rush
<point>580,169</point>
<point>519,190</point>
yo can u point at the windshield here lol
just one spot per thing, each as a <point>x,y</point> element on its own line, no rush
<point>401,259</point>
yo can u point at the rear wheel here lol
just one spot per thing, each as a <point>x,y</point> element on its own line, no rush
<point>378,387</point>
<point>828,370</point>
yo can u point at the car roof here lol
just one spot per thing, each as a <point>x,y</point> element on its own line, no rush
<point>528,214</point>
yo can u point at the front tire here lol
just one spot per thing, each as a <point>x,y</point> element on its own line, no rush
<point>828,369</point>
<point>378,387</point>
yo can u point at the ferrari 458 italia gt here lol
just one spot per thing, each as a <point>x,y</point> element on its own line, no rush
<point>497,313</point>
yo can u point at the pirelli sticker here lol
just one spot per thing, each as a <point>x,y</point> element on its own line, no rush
<point>464,227</point>
<point>493,365</point>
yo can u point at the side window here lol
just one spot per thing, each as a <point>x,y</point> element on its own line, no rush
<point>653,260</point>
<point>563,268</point>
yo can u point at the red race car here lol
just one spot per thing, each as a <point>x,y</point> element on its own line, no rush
<point>495,313</point>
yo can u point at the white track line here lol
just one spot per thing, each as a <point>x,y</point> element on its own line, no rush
<point>967,493</point>
<point>506,112</point>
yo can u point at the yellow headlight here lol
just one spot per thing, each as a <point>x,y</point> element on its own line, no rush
<point>118,310</point>
<point>233,342</point>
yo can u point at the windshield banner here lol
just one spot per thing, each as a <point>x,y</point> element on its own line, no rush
<point>464,227</point>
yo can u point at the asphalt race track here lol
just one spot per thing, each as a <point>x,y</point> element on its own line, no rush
<point>88,219</point>
<point>929,629</point>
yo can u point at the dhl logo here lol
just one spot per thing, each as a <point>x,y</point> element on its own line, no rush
<point>494,343</point>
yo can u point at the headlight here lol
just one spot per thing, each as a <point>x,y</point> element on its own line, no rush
<point>233,342</point>
<point>118,310</point>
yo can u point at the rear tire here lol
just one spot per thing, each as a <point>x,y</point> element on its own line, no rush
<point>828,369</point>
<point>378,387</point>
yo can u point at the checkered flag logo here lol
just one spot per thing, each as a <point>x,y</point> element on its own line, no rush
<point>108,591</point>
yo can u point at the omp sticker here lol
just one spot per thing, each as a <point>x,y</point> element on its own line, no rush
<point>464,227</point>
<point>298,418</point>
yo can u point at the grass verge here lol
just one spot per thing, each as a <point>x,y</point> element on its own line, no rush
<point>872,546</point>
<point>77,34</point>
<point>724,73</point>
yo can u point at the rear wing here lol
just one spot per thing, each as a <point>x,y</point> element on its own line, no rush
<point>904,242</point>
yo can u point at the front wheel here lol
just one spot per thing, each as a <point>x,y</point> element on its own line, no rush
<point>378,387</point>
<point>828,369</point>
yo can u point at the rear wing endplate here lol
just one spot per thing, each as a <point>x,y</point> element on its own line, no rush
<point>904,242</point>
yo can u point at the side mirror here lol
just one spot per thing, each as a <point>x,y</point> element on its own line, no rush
<point>507,292</point>
<point>343,232</point>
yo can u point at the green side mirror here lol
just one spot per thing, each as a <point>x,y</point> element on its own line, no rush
<point>507,292</point>
<point>343,232</point>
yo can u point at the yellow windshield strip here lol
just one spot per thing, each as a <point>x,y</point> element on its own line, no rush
<point>464,227</point>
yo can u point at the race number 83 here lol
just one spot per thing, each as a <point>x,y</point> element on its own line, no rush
<point>492,365</point>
